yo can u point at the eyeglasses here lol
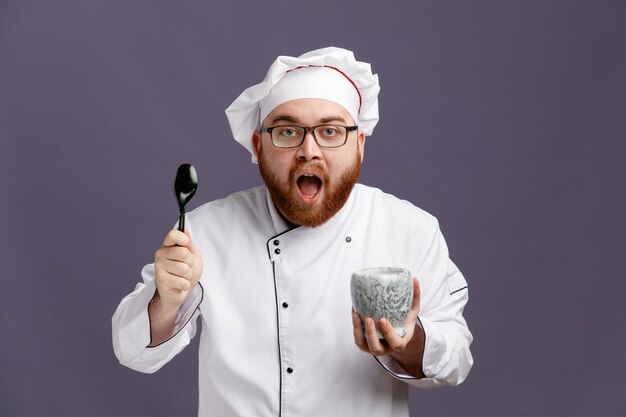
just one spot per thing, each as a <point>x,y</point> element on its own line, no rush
<point>326,136</point>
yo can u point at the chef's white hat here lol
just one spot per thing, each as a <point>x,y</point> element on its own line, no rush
<point>328,73</point>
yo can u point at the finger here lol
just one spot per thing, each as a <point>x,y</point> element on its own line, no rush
<point>173,282</point>
<point>173,254</point>
<point>177,253</point>
<point>176,237</point>
<point>394,341</point>
<point>357,330</point>
<point>179,269</point>
<point>193,248</point>
<point>188,234</point>
<point>415,307</point>
<point>373,342</point>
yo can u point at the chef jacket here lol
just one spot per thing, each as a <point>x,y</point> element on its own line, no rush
<point>275,307</point>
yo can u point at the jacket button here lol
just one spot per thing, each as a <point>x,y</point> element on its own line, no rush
<point>290,370</point>
<point>277,251</point>
<point>285,305</point>
<point>348,239</point>
<point>276,242</point>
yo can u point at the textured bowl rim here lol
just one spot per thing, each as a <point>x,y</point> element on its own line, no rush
<point>392,269</point>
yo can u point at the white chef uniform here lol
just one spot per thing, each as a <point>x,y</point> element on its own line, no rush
<point>275,303</point>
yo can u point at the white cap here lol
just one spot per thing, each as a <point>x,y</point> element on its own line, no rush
<point>329,73</point>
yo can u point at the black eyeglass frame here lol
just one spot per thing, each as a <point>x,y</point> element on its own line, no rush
<point>308,129</point>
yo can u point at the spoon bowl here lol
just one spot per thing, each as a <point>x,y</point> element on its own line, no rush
<point>185,186</point>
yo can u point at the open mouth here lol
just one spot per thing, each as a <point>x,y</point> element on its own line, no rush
<point>309,186</point>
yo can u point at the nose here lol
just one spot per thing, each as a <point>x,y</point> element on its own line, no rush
<point>309,149</point>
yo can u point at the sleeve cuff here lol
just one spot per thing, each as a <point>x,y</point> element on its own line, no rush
<point>433,349</point>
<point>184,315</point>
<point>131,330</point>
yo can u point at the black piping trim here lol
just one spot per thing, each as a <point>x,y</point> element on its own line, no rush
<point>280,356</point>
<point>460,289</point>
<point>406,377</point>
<point>267,244</point>
<point>181,327</point>
<point>394,374</point>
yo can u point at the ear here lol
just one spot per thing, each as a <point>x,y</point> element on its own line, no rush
<point>256,143</point>
<point>361,144</point>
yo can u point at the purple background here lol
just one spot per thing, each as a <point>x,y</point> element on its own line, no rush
<point>505,119</point>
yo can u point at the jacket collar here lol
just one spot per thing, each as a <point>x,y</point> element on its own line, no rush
<point>280,226</point>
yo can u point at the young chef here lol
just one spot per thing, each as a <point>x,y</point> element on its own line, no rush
<point>267,270</point>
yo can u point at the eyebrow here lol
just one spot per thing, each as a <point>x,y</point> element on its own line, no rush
<point>286,118</point>
<point>333,119</point>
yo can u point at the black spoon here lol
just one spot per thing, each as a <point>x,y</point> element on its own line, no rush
<point>185,185</point>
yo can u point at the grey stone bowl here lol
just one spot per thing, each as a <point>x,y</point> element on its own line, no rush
<point>383,292</point>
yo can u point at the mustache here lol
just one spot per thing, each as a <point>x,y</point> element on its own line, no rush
<point>315,166</point>
<point>318,168</point>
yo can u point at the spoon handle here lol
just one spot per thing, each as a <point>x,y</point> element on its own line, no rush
<point>181,222</point>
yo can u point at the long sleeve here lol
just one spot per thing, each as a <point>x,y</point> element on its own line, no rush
<point>447,359</point>
<point>131,327</point>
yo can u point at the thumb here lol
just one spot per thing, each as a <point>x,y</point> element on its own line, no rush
<point>191,245</point>
<point>415,307</point>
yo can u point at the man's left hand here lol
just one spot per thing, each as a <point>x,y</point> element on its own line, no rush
<point>407,351</point>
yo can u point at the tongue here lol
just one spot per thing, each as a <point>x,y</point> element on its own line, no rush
<point>308,185</point>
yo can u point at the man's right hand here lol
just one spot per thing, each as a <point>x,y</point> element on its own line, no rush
<point>177,266</point>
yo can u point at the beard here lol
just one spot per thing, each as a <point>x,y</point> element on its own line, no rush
<point>285,194</point>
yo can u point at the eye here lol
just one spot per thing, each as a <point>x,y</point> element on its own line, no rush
<point>287,132</point>
<point>329,131</point>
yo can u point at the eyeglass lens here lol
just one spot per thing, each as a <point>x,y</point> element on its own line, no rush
<point>329,136</point>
